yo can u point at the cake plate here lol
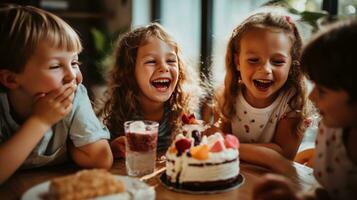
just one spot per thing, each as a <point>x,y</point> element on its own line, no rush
<point>190,190</point>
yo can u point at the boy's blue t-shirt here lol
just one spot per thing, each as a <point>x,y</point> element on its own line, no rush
<point>81,126</point>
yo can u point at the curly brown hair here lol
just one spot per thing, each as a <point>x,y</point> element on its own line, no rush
<point>122,102</point>
<point>295,79</point>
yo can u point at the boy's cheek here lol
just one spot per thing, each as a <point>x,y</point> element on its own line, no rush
<point>79,78</point>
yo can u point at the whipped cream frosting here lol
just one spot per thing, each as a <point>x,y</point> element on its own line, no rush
<point>219,165</point>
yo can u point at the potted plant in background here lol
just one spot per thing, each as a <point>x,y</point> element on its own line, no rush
<point>308,21</point>
<point>104,44</point>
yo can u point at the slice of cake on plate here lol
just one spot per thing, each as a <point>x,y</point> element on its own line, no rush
<point>98,184</point>
<point>85,184</point>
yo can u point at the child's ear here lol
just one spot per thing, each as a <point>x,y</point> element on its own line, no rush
<point>8,79</point>
<point>236,61</point>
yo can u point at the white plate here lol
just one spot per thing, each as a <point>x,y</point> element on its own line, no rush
<point>133,188</point>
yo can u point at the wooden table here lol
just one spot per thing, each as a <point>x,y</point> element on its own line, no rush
<point>24,179</point>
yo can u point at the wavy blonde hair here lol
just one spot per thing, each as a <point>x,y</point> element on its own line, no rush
<point>122,102</point>
<point>295,79</point>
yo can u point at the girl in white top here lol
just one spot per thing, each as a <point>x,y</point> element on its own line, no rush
<point>264,98</point>
<point>330,62</point>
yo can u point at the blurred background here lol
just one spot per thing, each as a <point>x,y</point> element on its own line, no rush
<point>201,27</point>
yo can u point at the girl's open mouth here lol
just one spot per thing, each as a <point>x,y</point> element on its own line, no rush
<point>161,83</point>
<point>262,84</point>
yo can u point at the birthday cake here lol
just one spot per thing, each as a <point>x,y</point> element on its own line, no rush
<point>199,162</point>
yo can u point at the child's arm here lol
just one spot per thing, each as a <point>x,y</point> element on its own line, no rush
<point>94,155</point>
<point>14,151</point>
<point>271,187</point>
<point>286,141</point>
<point>118,147</point>
<point>266,157</point>
<point>47,111</point>
<point>276,187</point>
<point>272,155</point>
<point>288,136</point>
<point>88,146</point>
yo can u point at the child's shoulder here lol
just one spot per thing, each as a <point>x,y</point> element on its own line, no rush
<point>81,92</point>
<point>81,89</point>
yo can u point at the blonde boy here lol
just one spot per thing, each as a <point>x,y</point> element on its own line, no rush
<point>45,111</point>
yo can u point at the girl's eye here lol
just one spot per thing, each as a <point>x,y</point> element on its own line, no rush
<point>172,61</point>
<point>278,62</point>
<point>253,60</point>
<point>150,62</point>
<point>55,66</point>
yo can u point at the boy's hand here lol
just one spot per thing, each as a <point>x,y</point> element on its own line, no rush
<point>55,105</point>
<point>275,187</point>
<point>118,147</point>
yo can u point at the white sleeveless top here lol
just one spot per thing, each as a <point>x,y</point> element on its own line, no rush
<point>333,167</point>
<point>258,125</point>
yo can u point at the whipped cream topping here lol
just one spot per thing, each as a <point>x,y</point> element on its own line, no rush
<point>137,127</point>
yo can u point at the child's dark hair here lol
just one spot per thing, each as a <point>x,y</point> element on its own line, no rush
<point>295,78</point>
<point>330,58</point>
<point>122,96</point>
<point>23,27</point>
